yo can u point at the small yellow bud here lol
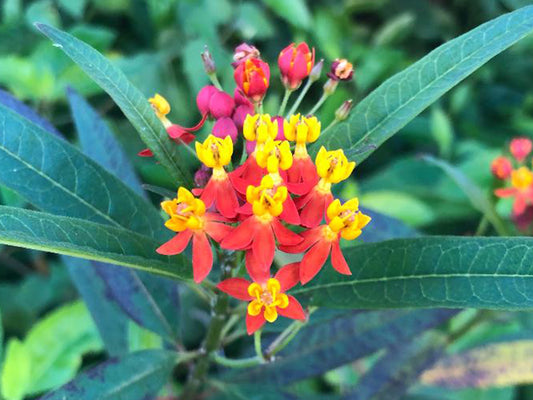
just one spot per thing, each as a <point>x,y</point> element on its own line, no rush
<point>215,152</point>
<point>160,105</point>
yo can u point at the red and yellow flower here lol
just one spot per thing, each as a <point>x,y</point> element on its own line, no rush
<point>295,64</point>
<point>259,231</point>
<point>332,167</point>
<point>216,153</point>
<point>267,298</point>
<point>521,189</point>
<point>302,176</point>
<point>252,77</point>
<point>344,221</point>
<point>188,217</point>
<point>501,167</point>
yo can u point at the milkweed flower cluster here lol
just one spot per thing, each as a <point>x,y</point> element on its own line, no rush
<point>277,199</point>
<point>516,176</point>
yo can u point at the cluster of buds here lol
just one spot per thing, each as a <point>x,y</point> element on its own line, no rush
<point>516,174</point>
<point>278,199</point>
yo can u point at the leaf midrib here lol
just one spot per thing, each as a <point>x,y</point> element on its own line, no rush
<point>65,189</point>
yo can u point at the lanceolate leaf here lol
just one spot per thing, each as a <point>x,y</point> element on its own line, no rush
<point>9,101</point>
<point>80,238</point>
<point>402,97</point>
<point>98,142</point>
<point>110,320</point>
<point>322,347</point>
<point>392,376</point>
<point>55,177</point>
<point>131,101</point>
<point>136,376</point>
<point>494,273</point>
<point>156,309</point>
<point>497,364</point>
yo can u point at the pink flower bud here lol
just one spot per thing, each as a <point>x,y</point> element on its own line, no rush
<point>341,70</point>
<point>209,63</point>
<point>240,115</point>
<point>501,167</point>
<point>344,110</point>
<point>202,176</point>
<point>250,146</point>
<point>225,127</point>
<point>221,105</point>
<point>241,99</point>
<point>203,97</point>
<point>295,64</point>
<point>520,148</point>
<point>243,52</point>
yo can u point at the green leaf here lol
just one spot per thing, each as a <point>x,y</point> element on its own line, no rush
<point>402,97</point>
<point>341,340</point>
<point>394,373</point>
<point>16,371</point>
<point>80,238</point>
<point>55,177</point>
<point>478,199</point>
<point>295,12</point>
<point>135,376</point>
<point>130,100</point>
<point>497,364</point>
<point>455,272</point>
<point>56,345</point>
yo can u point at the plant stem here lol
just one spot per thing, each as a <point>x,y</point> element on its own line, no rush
<point>284,101</point>
<point>257,345</point>
<point>240,363</point>
<point>300,98</point>
<point>318,104</point>
<point>214,79</point>
<point>482,227</point>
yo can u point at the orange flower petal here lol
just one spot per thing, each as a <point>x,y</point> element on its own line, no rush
<point>294,310</point>
<point>236,287</point>
<point>314,260</point>
<point>264,245</point>
<point>257,271</point>
<point>175,245</point>
<point>217,230</point>
<point>310,237</point>
<point>226,200</point>
<point>241,237</point>
<point>337,259</point>
<point>285,236</point>
<point>313,212</point>
<point>202,257</point>
<point>507,192</point>
<point>209,193</point>
<point>288,276</point>
<point>290,212</point>
<point>254,323</point>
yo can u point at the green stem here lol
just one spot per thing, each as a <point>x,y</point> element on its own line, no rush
<point>240,363</point>
<point>284,101</point>
<point>300,98</point>
<point>215,81</point>
<point>482,227</point>
<point>318,104</point>
<point>257,344</point>
<point>260,106</point>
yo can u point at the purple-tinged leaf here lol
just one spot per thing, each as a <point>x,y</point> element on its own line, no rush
<point>136,376</point>
<point>11,102</point>
<point>322,347</point>
<point>394,373</point>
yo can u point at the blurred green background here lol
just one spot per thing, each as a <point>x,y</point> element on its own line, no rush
<point>157,43</point>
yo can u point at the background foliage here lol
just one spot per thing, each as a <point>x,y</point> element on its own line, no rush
<point>50,335</point>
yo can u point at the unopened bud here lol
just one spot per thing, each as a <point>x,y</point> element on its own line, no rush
<point>209,63</point>
<point>344,110</point>
<point>341,70</point>
<point>330,86</point>
<point>316,71</point>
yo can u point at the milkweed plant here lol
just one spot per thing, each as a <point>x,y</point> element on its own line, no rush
<point>255,226</point>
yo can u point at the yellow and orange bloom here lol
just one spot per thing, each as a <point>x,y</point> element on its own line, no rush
<point>332,167</point>
<point>295,64</point>
<point>216,153</point>
<point>520,148</point>
<point>302,176</point>
<point>258,128</point>
<point>188,217</point>
<point>252,77</point>
<point>521,189</point>
<point>267,298</point>
<point>259,231</point>
<point>344,221</point>
<point>501,167</point>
